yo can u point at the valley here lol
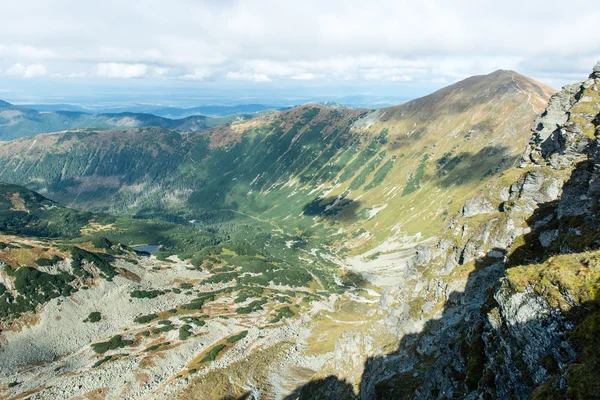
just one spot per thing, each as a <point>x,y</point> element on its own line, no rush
<point>416,251</point>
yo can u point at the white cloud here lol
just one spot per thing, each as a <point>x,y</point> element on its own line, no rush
<point>261,40</point>
<point>160,71</point>
<point>247,76</point>
<point>33,52</point>
<point>306,76</point>
<point>27,71</point>
<point>197,75</point>
<point>119,70</point>
<point>400,78</point>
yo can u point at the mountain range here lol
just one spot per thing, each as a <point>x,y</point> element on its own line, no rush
<point>19,121</point>
<point>443,248</point>
<point>161,111</point>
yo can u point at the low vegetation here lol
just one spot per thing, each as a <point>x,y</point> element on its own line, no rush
<point>116,342</point>
<point>213,353</point>
<point>94,316</point>
<point>236,338</point>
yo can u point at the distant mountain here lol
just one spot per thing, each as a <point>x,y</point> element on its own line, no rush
<point>58,107</point>
<point>18,121</point>
<point>167,112</point>
<point>211,111</point>
<point>382,167</point>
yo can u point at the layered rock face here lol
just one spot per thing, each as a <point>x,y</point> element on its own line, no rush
<point>501,307</point>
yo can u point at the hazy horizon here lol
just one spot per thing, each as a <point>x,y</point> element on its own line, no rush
<point>192,53</point>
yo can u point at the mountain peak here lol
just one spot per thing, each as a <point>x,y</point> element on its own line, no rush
<point>596,71</point>
<point>478,89</point>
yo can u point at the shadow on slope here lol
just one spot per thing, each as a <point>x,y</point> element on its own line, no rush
<point>339,208</point>
<point>468,167</point>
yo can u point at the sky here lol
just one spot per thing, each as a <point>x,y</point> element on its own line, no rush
<point>225,51</point>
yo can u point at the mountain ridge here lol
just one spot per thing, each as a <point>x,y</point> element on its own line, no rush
<point>307,208</point>
<point>19,121</point>
<point>375,167</point>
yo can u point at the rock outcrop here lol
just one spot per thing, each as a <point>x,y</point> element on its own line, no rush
<point>496,308</point>
<point>494,339</point>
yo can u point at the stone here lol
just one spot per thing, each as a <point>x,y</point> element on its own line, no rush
<point>477,205</point>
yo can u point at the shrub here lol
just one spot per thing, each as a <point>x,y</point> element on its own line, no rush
<point>94,316</point>
<point>213,353</point>
<point>100,261</point>
<point>185,331</point>
<point>238,337</point>
<point>115,342</point>
<point>47,262</point>
<point>101,243</point>
<point>283,312</point>
<point>146,294</point>
<point>157,346</point>
<point>101,361</point>
<point>193,320</point>
<point>252,307</point>
<point>144,319</point>
<point>163,329</point>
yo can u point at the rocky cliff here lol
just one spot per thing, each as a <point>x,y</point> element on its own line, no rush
<point>530,249</point>
<point>505,304</point>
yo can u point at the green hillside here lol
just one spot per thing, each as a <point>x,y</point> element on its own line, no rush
<point>375,174</point>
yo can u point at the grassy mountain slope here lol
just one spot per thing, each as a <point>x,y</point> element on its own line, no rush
<point>505,304</point>
<point>375,174</point>
<point>246,287</point>
<point>17,121</point>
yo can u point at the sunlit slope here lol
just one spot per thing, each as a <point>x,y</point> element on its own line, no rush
<point>374,174</point>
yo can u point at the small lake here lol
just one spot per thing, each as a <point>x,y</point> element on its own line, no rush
<point>149,248</point>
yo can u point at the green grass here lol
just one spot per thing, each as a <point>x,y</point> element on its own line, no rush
<point>414,181</point>
<point>381,174</point>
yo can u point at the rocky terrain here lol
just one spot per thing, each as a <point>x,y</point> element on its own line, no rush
<point>504,305</point>
<point>439,249</point>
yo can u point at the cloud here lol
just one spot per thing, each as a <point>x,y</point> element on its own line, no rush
<point>196,75</point>
<point>263,40</point>
<point>307,76</point>
<point>118,70</point>
<point>247,76</point>
<point>27,71</point>
<point>34,52</point>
